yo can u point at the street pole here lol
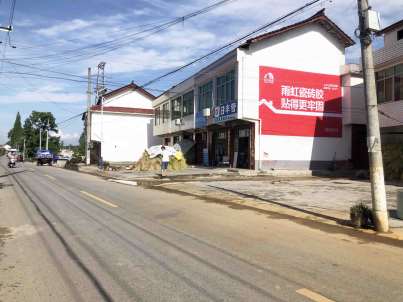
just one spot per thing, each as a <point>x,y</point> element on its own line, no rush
<point>40,138</point>
<point>23,152</point>
<point>379,206</point>
<point>88,122</point>
<point>47,136</point>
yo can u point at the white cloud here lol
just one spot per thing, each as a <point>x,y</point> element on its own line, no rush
<point>46,94</point>
<point>64,27</point>
<point>66,137</point>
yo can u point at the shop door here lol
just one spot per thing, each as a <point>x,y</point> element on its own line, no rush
<point>200,144</point>
<point>359,151</point>
<point>243,161</point>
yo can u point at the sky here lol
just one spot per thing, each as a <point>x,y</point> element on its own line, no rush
<point>64,36</point>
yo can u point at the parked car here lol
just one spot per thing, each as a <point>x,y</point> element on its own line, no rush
<point>44,157</point>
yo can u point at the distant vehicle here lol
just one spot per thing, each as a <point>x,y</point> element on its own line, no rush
<point>44,157</point>
<point>12,158</point>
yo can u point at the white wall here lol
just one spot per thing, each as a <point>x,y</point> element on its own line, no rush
<point>353,100</point>
<point>124,137</point>
<point>130,99</point>
<point>309,49</point>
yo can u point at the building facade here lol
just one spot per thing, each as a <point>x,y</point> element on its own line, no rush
<point>389,78</point>
<point>122,125</point>
<point>275,102</point>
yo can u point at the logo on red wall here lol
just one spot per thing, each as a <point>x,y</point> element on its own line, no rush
<point>298,103</point>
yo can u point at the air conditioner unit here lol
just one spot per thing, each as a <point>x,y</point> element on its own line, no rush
<point>178,121</point>
<point>206,112</point>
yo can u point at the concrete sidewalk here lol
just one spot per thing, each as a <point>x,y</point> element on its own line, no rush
<point>320,199</point>
<point>205,173</point>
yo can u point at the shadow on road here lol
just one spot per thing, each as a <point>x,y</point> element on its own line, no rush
<point>246,195</point>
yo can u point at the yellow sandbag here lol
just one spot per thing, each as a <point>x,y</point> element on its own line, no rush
<point>179,155</point>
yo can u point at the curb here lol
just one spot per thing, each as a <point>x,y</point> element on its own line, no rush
<point>312,221</point>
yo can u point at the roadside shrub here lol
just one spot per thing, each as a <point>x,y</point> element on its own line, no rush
<point>361,216</point>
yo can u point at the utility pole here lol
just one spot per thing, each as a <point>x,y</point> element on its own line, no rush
<point>47,136</point>
<point>40,138</point>
<point>88,121</point>
<point>23,152</point>
<point>379,206</point>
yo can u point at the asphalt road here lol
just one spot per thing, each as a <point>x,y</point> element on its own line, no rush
<point>66,236</point>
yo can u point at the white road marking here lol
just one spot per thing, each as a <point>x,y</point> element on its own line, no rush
<point>50,177</point>
<point>99,199</point>
<point>125,182</point>
<point>312,295</point>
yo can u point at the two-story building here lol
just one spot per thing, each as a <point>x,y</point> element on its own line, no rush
<point>276,101</point>
<point>388,63</point>
<point>122,125</point>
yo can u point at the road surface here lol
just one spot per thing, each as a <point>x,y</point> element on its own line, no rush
<point>66,236</point>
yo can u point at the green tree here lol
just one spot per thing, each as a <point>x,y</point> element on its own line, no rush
<point>81,144</point>
<point>16,134</point>
<point>32,125</point>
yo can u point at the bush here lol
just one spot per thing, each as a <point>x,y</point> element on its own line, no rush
<point>361,216</point>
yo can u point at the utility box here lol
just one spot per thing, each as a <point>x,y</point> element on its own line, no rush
<point>400,204</point>
<point>373,21</point>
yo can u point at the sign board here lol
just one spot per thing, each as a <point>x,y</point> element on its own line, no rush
<point>201,120</point>
<point>298,103</point>
<point>225,112</point>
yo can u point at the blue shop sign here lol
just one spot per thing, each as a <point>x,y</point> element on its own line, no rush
<point>225,112</point>
<point>201,120</point>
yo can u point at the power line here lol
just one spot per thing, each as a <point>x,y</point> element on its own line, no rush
<point>234,42</point>
<point>122,41</point>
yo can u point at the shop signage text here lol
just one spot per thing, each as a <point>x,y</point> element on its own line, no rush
<point>225,112</point>
<point>297,103</point>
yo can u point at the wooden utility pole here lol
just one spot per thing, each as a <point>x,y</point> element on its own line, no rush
<point>379,206</point>
<point>88,122</point>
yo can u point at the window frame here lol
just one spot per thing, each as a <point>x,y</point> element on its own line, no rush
<point>202,101</point>
<point>157,116</point>
<point>389,84</point>
<point>186,101</point>
<point>176,108</point>
<point>225,88</point>
<point>165,112</point>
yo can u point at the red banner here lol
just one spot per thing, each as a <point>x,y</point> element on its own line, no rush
<point>298,103</point>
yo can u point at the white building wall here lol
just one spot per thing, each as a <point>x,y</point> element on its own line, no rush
<point>130,99</point>
<point>309,49</point>
<point>123,137</point>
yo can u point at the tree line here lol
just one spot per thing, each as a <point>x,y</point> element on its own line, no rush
<point>37,122</point>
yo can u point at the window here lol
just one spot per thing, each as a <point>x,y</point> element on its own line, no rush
<point>389,84</point>
<point>177,139</point>
<point>157,116</point>
<point>165,112</point>
<point>205,96</point>
<point>176,106</point>
<point>187,103</point>
<point>225,88</point>
<point>400,34</point>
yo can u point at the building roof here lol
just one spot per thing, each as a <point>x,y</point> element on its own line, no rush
<point>113,109</point>
<point>390,27</point>
<point>319,18</point>
<point>129,87</point>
